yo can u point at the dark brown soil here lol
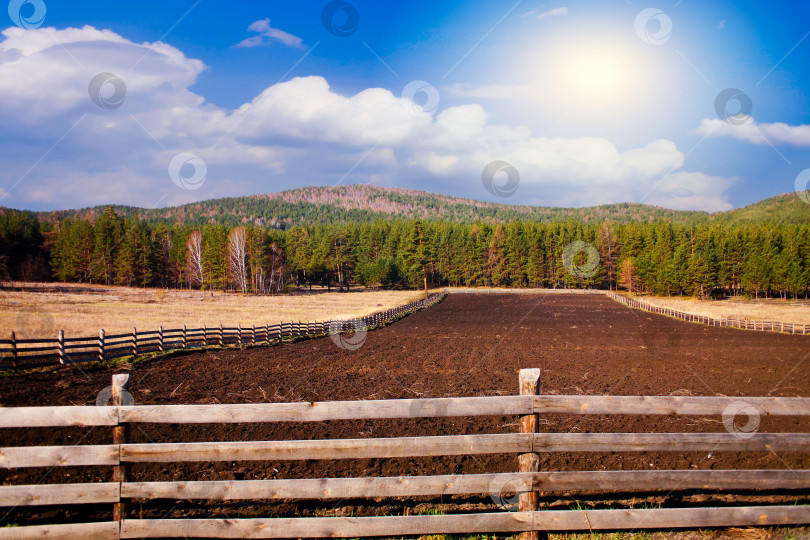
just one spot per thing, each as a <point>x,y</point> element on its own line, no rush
<point>469,345</point>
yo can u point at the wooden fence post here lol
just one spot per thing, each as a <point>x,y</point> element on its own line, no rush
<point>253,334</point>
<point>220,334</point>
<point>205,335</point>
<point>239,338</point>
<point>185,341</point>
<point>61,347</point>
<point>529,383</point>
<point>101,345</point>
<point>13,350</point>
<point>134,341</point>
<point>120,382</point>
<point>160,338</point>
<point>267,333</point>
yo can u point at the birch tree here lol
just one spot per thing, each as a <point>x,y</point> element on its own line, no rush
<point>237,258</point>
<point>194,259</point>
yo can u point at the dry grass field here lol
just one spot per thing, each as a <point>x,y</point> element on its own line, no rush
<point>795,311</point>
<point>42,309</point>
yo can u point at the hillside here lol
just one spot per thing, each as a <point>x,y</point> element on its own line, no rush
<point>363,203</point>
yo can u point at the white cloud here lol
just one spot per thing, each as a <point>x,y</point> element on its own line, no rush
<point>556,12</point>
<point>692,191</point>
<point>267,34</point>
<point>775,133</point>
<point>295,133</point>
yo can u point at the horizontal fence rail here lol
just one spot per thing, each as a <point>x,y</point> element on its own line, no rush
<point>520,513</point>
<point>744,324</point>
<point>28,353</point>
<point>317,411</point>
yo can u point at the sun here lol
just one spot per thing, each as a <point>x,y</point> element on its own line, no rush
<point>595,74</point>
<point>596,78</point>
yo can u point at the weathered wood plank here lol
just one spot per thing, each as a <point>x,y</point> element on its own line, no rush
<point>616,481</point>
<point>671,442</point>
<point>327,449</point>
<point>57,416</point>
<point>416,486</point>
<point>334,410</point>
<point>327,488</point>
<point>550,520</point>
<point>340,527</point>
<point>86,531</point>
<point>687,405</point>
<point>670,518</point>
<point>48,494</point>
<point>57,456</point>
<point>528,385</point>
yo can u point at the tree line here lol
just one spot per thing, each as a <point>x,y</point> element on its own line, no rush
<point>660,257</point>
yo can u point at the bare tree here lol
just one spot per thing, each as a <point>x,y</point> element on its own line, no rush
<point>194,264</point>
<point>608,246</point>
<point>275,280</point>
<point>237,258</point>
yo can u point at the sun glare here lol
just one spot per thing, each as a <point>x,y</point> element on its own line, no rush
<point>594,78</point>
<point>596,75</point>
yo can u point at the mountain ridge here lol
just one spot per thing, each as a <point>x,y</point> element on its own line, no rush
<point>365,202</point>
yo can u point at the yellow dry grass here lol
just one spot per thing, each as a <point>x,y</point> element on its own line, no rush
<point>41,310</point>
<point>796,311</point>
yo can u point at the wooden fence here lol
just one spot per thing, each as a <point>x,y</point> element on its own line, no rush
<point>28,353</point>
<point>745,324</point>
<point>526,482</point>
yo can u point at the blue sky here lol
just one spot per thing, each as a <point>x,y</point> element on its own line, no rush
<point>590,102</point>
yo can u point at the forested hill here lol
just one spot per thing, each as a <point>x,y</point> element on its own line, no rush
<point>365,203</point>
